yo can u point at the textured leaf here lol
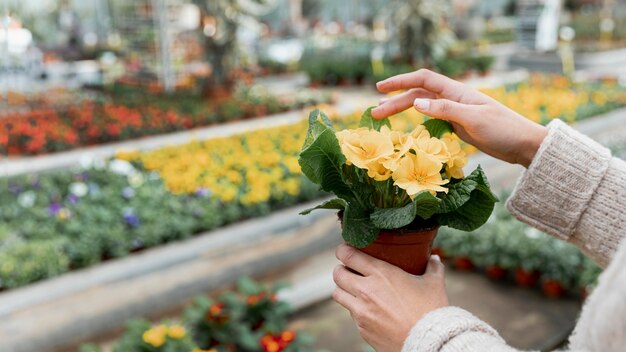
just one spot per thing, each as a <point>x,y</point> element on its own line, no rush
<point>336,203</point>
<point>460,192</point>
<point>426,205</point>
<point>423,205</point>
<point>373,124</point>
<point>437,127</point>
<point>321,161</point>
<point>393,218</point>
<point>468,204</point>
<point>358,230</point>
<point>316,127</point>
<point>471,215</point>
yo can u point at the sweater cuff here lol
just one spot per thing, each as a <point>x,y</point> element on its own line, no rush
<point>560,181</point>
<point>440,326</point>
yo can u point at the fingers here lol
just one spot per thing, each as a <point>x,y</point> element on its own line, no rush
<point>393,105</point>
<point>435,266</point>
<point>346,280</point>
<point>429,80</point>
<point>446,109</point>
<point>357,260</point>
<point>344,298</point>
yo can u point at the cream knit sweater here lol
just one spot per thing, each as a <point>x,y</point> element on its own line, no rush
<point>575,191</point>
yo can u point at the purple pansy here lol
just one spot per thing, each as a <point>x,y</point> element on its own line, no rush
<point>54,208</point>
<point>131,218</point>
<point>128,192</point>
<point>203,192</point>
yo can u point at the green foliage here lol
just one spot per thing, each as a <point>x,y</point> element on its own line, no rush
<point>337,203</point>
<point>437,128</point>
<point>46,230</point>
<point>23,262</point>
<point>371,123</point>
<point>468,203</point>
<point>423,205</point>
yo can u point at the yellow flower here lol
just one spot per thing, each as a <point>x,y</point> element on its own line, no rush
<point>402,143</point>
<point>420,132</point>
<point>378,171</point>
<point>433,146</point>
<point>458,158</point>
<point>176,332</point>
<point>419,172</point>
<point>155,336</point>
<point>363,147</point>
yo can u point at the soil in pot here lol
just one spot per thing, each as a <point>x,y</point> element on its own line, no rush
<point>496,273</point>
<point>526,278</point>
<point>553,289</point>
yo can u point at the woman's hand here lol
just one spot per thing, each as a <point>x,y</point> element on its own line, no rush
<point>386,301</point>
<point>476,118</point>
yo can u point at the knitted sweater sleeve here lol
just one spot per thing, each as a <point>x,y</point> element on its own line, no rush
<point>574,190</point>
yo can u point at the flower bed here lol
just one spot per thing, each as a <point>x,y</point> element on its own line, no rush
<point>506,248</point>
<point>251,319</point>
<point>54,222</point>
<point>47,127</point>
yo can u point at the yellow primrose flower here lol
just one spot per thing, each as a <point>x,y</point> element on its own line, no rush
<point>176,332</point>
<point>155,336</point>
<point>458,158</point>
<point>420,132</point>
<point>402,143</point>
<point>363,147</point>
<point>419,172</point>
<point>378,171</point>
<point>434,147</point>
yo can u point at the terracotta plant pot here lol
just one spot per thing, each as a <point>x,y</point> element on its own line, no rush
<point>526,279</point>
<point>496,272</point>
<point>553,289</point>
<point>406,249</point>
<point>463,264</point>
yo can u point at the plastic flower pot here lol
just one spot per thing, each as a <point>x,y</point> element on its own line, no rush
<point>407,249</point>
<point>525,278</point>
<point>463,264</point>
<point>553,289</point>
<point>495,272</point>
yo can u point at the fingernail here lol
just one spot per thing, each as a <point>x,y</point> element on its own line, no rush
<point>436,257</point>
<point>381,101</point>
<point>381,83</point>
<point>421,104</point>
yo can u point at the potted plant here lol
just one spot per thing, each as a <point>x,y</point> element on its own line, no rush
<point>460,247</point>
<point>395,189</point>
<point>561,271</point>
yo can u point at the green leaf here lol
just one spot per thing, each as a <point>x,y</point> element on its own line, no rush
<point>321,161</point>
<point>459,193</point>
<point>471,215</point>
<point>373,124</point>
<point>437,127</point>
<point>336,203</point>
<point>357,228</point>
<point>468,203</point>
<point>423,205</point>
<point>316,127</point>
<point>426,205</point>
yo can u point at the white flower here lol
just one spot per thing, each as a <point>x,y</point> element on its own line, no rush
<point>79,189</point>
<point>27,199</point>
<point>135,179</point>
<point>121,167</point>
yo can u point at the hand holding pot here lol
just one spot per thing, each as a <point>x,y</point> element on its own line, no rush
<point>477,118</point>
<point>386,302</point>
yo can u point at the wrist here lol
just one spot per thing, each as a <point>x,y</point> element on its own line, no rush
<point>531,143</point>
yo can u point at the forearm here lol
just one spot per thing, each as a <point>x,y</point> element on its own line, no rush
<point>575,191</point>
<point>453,329</point>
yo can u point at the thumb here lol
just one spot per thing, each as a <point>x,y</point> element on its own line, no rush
<point>444,109</point>
<point>435,266</point>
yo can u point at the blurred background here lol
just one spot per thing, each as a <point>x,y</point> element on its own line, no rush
<point>148,163</point>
